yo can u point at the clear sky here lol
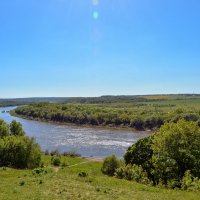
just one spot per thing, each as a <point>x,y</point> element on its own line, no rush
<point>99,47</point>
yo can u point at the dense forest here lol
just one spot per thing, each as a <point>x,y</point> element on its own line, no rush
<point>140,115</point>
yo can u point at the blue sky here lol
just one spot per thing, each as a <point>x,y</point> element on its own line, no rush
<point>93,48</point>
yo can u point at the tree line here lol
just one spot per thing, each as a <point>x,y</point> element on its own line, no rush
<point>104,115</point>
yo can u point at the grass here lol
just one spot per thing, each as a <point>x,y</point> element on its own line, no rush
<point>66,184</point>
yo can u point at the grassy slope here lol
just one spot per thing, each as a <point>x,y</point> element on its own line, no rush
<point>65,184</point>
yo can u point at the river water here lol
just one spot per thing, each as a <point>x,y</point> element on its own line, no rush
<point>89,142</point>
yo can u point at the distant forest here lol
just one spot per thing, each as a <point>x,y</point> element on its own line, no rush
<point>109,99</point>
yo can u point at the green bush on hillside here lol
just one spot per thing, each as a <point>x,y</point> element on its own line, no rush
<point>110,164</point>
<point>17,150</point>
<point>132,172</point>
<point>56,160</point>
<point>167,155</point>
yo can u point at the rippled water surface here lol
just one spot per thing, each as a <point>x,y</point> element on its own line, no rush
<point>85,141</point>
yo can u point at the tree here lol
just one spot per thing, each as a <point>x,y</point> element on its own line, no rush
<point>4,129</point>
<point>16,128</point>
<point>140,154</point>
<point>176,148</point>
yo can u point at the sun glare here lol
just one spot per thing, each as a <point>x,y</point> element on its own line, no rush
<point>95,2</point>
<point>95,14</point>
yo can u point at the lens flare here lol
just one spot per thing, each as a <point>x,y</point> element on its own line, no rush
<point>95,2</point>
<point>95,14</point>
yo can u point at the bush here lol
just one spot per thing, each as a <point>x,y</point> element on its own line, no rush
<point>132,172</point>
<point>16,150</point>
<point>137,123</point>
<point>55,153</point>
<point>64,163</point>
<point>82,174</point>
<point>72,154</point>
<point>19,152</point>
<point>190,183</point>
<point>56,160</point>
<point>39,171</point>
<point>46,153</point>
<point>110,164</point>
<point>22,183</point>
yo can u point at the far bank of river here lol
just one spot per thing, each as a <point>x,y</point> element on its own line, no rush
<point>87,141</point>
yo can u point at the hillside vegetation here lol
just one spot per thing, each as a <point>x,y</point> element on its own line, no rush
<point>138,112</point>
<point>58,183</point>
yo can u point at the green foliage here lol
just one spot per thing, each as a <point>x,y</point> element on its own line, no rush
<point>110,164</point>
<point>4,129</point>
<point>90,114</point>
<point>55,153</point>
<point>16,128</point>
<point>66,184</point>
<point>22,183</point>
<point>141,154</point>
<point>19,152</point>
<point>167,155</point>
<point>190,183</point>
<point>138,112</point>
<point>132,172</point>
<point>16,150</point>
<point>82,174</point>
<point>56,160</point>
<point>177,148</point>
<point>39,171</point>
<point>72,154</point>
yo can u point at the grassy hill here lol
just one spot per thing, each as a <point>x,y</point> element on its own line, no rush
<point>64,183</point>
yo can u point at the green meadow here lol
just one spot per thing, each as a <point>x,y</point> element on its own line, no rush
<point>65,183</point>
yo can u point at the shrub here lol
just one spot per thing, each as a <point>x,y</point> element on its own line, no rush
<point>39,170</point>
<point>22,183</point>
<point>72,154</point>
<point>137,123</point>
<point>46,153</point>
<point>56,160</point>
<point>64,163</point>
<point>16,150</point>
<point>110,164</point>
<point>19,152</point>
<point>190,183</point>
<point>132,172</point>
<point>55,153</point>
<point>82,174</point>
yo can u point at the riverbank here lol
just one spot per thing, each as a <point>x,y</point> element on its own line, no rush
<point>109,127</point>
<point>87,141</point>
<point>65,183</point>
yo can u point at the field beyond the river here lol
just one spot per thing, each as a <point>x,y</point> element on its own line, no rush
<point>65,183</point>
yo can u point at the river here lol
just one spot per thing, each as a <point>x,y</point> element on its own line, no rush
<point>89,142</point>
